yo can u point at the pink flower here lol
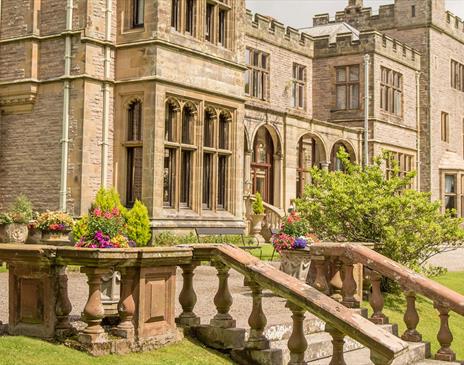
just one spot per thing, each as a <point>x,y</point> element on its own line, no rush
<point>97,212</point>
<point>115,211</point>
<point>108,215</point>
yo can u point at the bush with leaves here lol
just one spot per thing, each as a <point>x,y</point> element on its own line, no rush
<point>364,206</point>
<point>138,224</point>
<point>258,206</point>
<point>19,212</point>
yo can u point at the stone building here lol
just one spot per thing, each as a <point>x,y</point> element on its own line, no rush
<point>191,105</point>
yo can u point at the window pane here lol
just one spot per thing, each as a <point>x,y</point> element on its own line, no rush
<point>134,125</point>
<point>138,12</point>
<point>223,132</point>
<point>301,94</point>
<point>341,97</point>
<point>207,180</point>
<point>209,22</point>
<point>450,202</point>
<point>264,62</point>
<point>190,16</point>
<point>222,182</point>
<point>301,73</point>
<point>222,27</point>
<point>175,14</point>
<point>341,74</point>
<point>170,124</point>
<point>187,126</point>
<point>354,94</point>
<point>169,177</point>
<point>247,82</point>
<point>248,57</point>
<point>450,184</point>
<point>134,175</point>
<point>185,178</point>
<point>209,130</point>
<point>354,73</point>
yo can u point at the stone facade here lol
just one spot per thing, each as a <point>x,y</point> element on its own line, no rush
<point>191,110</point>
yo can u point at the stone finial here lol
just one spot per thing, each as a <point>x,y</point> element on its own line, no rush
<point>355,4</point>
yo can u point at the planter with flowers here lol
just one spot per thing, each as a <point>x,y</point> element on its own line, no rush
<point>256,219</point>
<point>292,242</point>
<point>55,227</point>
<point>109,225</point>
<point>35,233</point>
<point>13,224</point>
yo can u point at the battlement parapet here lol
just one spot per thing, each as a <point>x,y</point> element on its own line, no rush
<point>272,31</point>
<point>368,42</point>
<point>453,24</point>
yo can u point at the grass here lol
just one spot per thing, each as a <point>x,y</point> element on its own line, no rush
<point>3,268</point>
<point>26,351</point>
<point>265,253</point>
<point>395,306</point>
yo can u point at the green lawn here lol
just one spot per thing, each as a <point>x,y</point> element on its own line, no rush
<point>265,253</point>
<point>26,351</point>
<point>429,321</point>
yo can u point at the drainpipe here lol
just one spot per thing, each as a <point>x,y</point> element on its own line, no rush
<point>418,136</point>
<point>106,96</point>
<point>366,110</point>
<point>66,96</point>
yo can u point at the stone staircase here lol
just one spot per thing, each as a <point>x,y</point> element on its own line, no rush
<point>320,349</point>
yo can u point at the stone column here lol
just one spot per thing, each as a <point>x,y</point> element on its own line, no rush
<point>297,343</point>
<point>444,336</point>
<point>411,319</point>
<point>349,286</point>
<point>93,310</point>
<point>320,281</point>
<point>63,305</point>
<point>223,299</point>
<point>338,340</point>
<point>257,320</point>
<point>376,299</point>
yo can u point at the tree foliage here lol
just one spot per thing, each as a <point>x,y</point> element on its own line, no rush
<point>138,224</point>
<point>364,206</point>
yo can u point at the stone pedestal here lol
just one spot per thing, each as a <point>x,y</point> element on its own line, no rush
<point>32,299</point>
<point>296,263</point>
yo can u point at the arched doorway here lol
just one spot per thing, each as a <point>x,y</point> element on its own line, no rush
<point>311,153</point>
<point>335,163</point>
<point>262,165</point>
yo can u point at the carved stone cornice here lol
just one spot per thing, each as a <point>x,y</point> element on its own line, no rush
<point>18,98</point>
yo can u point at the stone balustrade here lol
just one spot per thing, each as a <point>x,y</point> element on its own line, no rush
<point>39,305</point>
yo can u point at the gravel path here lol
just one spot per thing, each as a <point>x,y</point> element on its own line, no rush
<point>205,284</point>
<point>452,260</point>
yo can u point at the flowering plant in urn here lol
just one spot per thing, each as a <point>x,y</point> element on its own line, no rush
<point>55,222</point>
<point>294,234</point>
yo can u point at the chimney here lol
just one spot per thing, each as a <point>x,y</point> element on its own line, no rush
<point>355,4</point>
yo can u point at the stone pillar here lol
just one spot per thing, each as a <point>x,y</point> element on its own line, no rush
<point>320,281</point>
<point>93,310</point>
<point>63,305</point>
<point>257,320</point>
<point>325,165</point>
<point>223,299</point>
<point>349,286</point>
<point>444,336</point>
<point>338,340</point>
<point>411,319</point>
<point>376,299</point>
<point>297,343</point>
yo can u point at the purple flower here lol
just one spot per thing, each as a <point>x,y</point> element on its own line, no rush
<point>300,242</point>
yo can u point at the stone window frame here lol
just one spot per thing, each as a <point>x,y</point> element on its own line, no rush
<point>391,87</point>
<point>198,149</point>
<point>457,193</point>
<point>257,69</point>
<point>299,86</point>
<point>404,161</point>
<point>457,75</point>
<point>349,85</point>
<point>129,14</point>
<point>130,146</point>
<point>445,127</point>
<point>219,30</point>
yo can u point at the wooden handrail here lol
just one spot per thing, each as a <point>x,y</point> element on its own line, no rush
<point>335,314</point>
<point>388,268</point>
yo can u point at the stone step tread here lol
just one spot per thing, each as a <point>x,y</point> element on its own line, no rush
<point>436,362</point>
<point>283,331</point>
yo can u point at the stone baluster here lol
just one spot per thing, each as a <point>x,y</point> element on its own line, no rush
<point>188,298</point>
<point>336,281</point>
<point>338,340</point>
<point>63,305</point>
<point>126,306</point>
<point>223,298</point>
<point>257,320</point>
<point>320,282</point>
<point>93,310</point>
<point>376,299</point>
<point>349,286</point>
<point>297,343</point>
<point>411,318</point>
<point>444,337</point>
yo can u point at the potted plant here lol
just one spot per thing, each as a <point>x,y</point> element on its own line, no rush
<point>55,227</point>
<point>13,224</point>
<point>291,243</point>
<point>258,215</point>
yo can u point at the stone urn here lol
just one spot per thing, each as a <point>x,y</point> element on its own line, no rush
<point>256,224</point>
<point>296,263</point>
<point>56,238</point>
<point>13,233</point>
<point>34,236</point>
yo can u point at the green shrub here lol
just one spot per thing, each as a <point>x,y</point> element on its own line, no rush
<point>81,228</point>
<point>138,224</point>
<point>364,206</point>
<point>21,210</point>
<point>258,206</point>
<point>167,239</point>
<point>107,199</point>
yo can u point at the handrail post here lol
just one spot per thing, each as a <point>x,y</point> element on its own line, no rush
<point>297,343</point>
<point>336,282</point>
<point>376,299</point>
<point>223,299</point>
<point>349,285</point>
<point>444,336</point>
<point>411,318</point>
<point>257,320</point>
<point>338,340</point>
<point>188,298</point>
<point>126,306</point>
<point>63,305</point>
